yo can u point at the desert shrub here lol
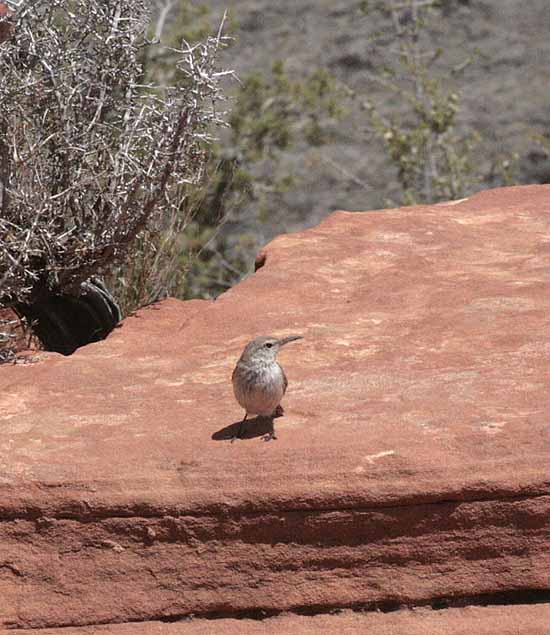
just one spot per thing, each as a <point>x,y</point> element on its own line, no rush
<point>98,164</point>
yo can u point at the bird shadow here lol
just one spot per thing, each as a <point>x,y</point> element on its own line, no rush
<point>253,428</point>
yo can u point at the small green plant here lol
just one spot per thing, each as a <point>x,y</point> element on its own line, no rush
<point>271,112</point>
<point>431,151</point>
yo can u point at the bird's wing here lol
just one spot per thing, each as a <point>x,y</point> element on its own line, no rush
<point>285,380</point>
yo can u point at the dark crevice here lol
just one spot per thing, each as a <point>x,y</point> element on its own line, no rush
<point>12,568</point>
<point>515,597</point>
<point>89,515</point>
<point>64,322</point>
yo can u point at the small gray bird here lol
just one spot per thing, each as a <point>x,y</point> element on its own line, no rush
<point>259,382</point>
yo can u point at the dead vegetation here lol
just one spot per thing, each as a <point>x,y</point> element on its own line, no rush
<point>93,157</point>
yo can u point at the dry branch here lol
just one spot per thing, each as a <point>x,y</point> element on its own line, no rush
<point>89,155</point>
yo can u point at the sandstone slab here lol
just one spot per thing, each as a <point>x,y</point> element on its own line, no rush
<point>412,463</point>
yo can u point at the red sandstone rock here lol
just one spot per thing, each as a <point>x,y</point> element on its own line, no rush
<point>412,462</point>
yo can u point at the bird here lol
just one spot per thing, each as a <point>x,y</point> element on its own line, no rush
<point>259,381</point>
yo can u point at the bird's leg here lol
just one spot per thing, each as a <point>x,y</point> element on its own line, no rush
<point>271,436</point>
<point>278,412</point>
<point>241,429</point>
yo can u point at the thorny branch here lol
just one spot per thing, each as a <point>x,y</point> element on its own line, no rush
<point>90,155</point>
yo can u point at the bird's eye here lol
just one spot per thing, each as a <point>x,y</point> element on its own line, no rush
<point>269,344</point>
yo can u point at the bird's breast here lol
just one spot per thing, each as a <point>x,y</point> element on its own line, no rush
<point>259,390</point>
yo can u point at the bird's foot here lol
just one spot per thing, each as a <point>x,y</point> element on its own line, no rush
<point>279,411</point>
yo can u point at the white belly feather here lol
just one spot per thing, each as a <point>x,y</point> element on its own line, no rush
<point>259,391</point>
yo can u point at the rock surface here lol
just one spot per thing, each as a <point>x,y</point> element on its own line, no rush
<point>412,465</point>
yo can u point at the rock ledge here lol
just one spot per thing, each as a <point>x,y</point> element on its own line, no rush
<point>412,462</point>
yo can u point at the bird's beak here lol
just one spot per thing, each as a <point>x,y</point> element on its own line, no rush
<point>290,338</point>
